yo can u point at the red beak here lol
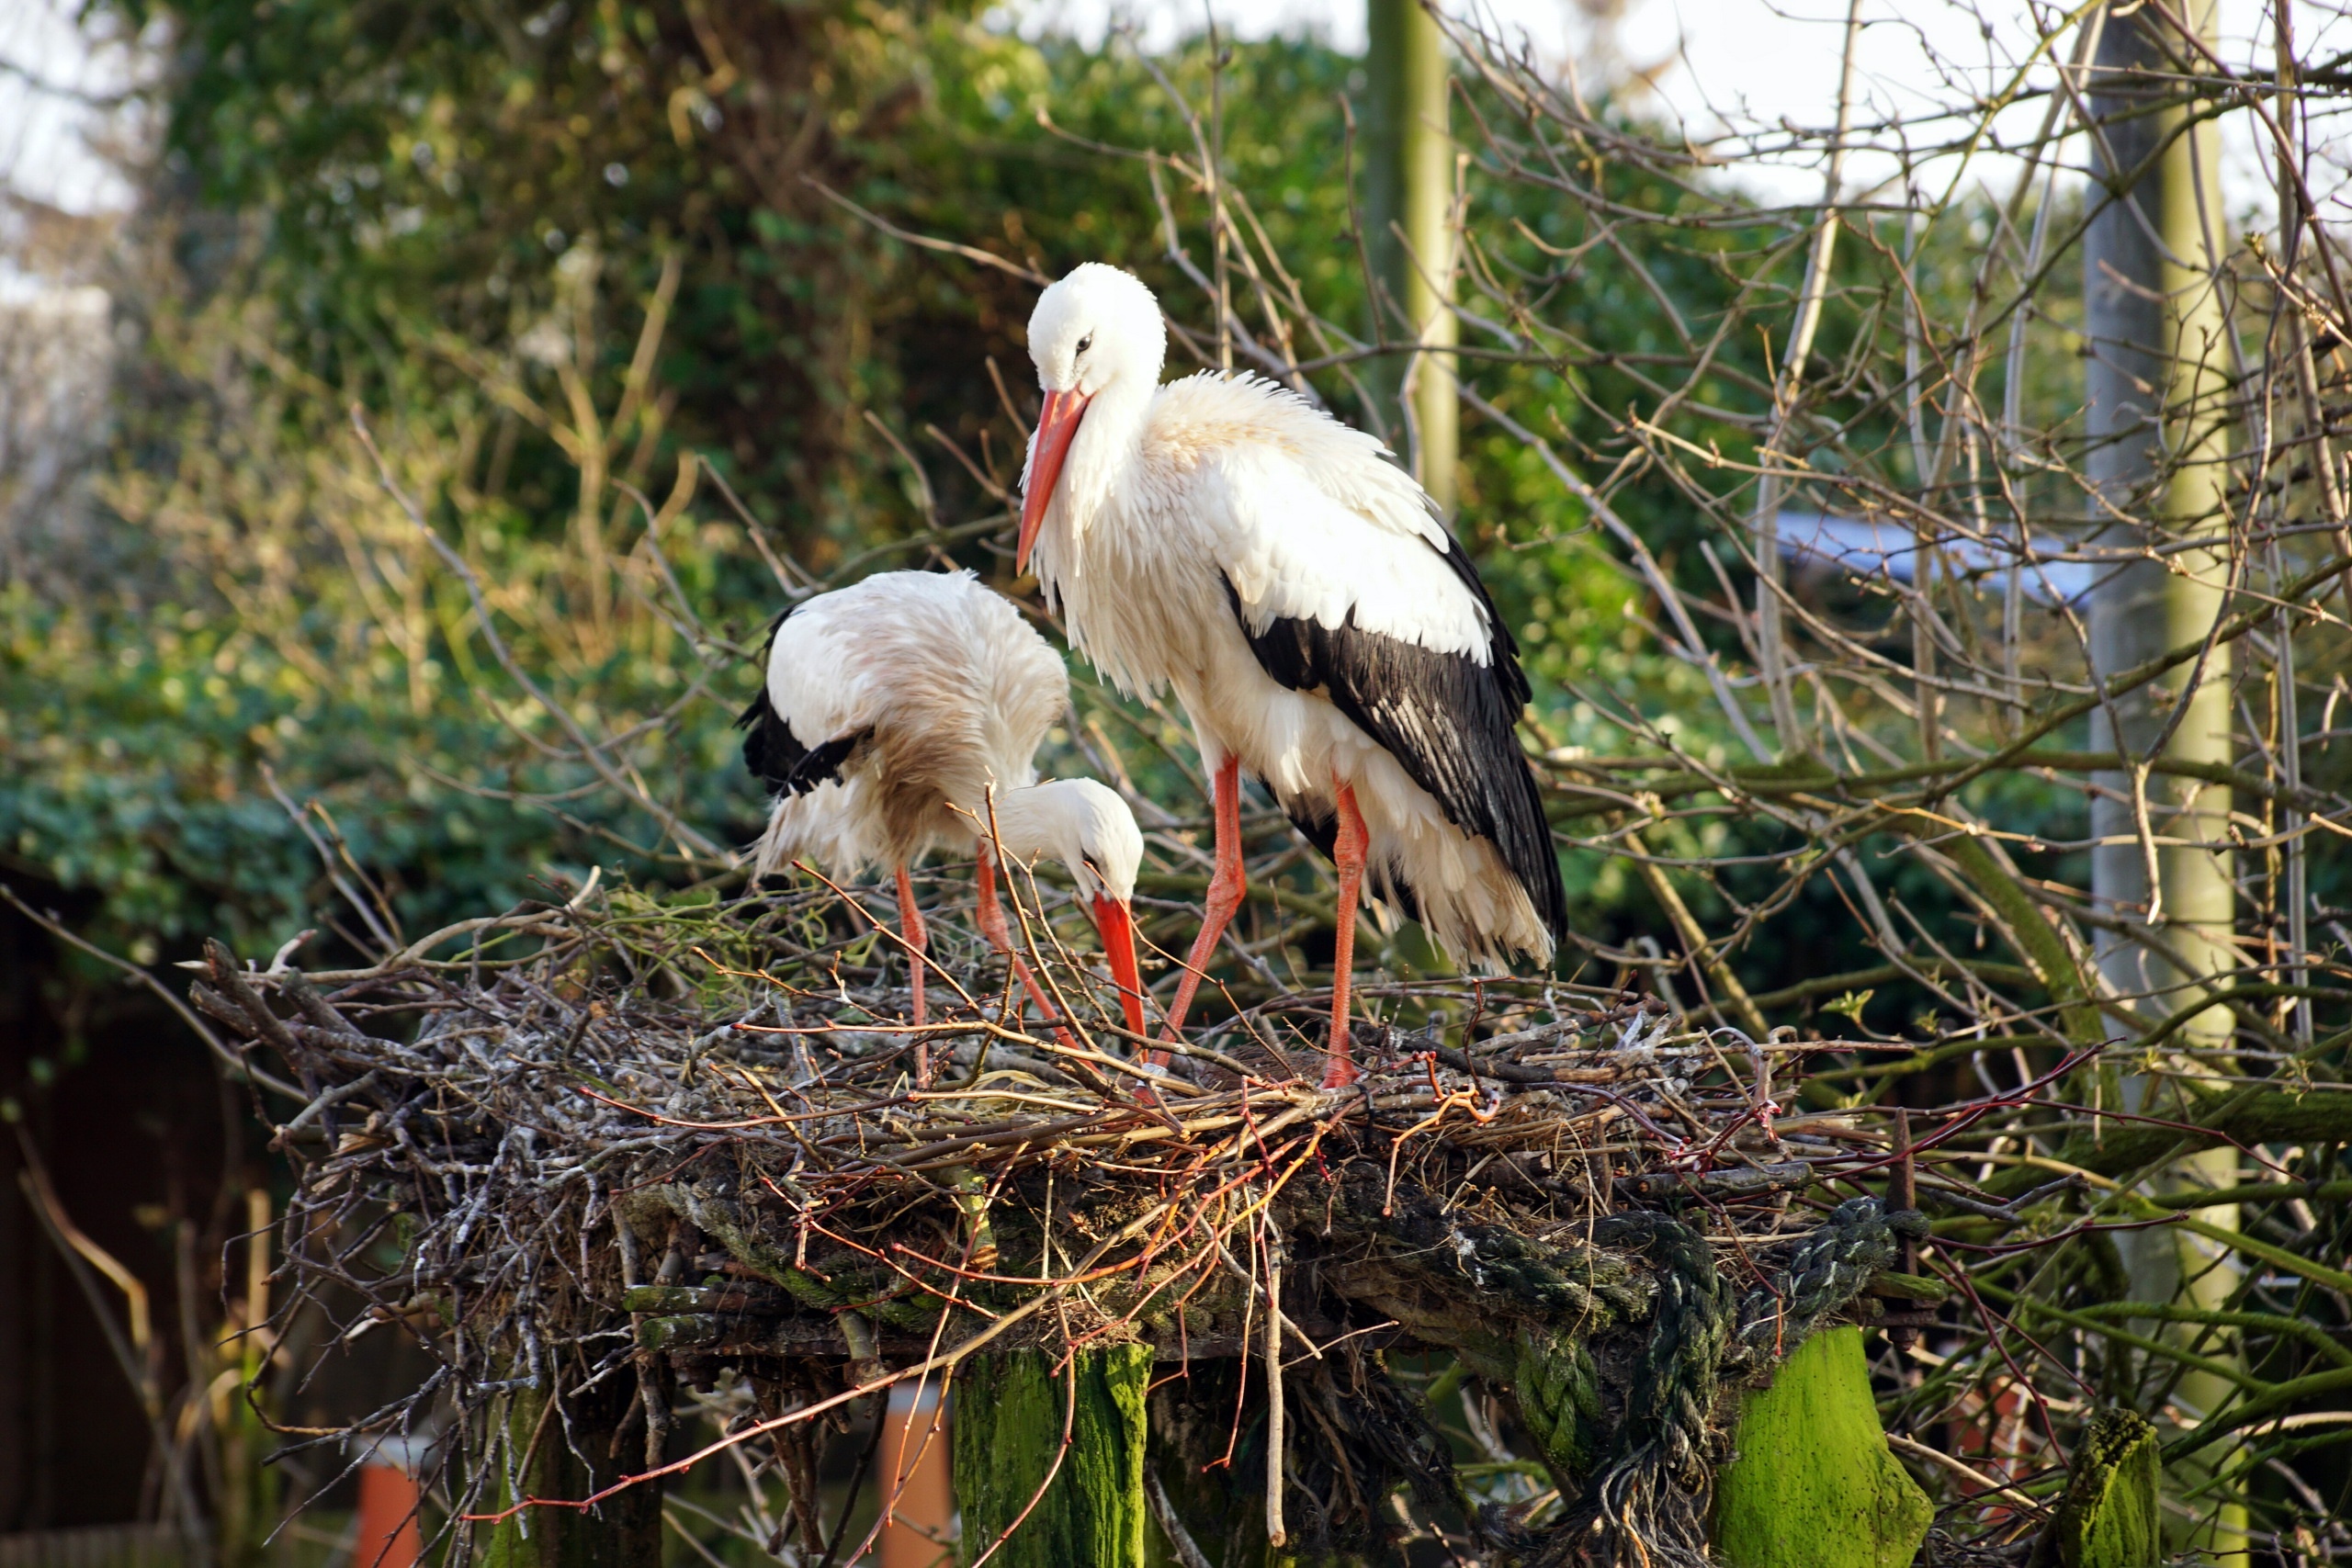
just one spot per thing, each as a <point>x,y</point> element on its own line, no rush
<point>1117,927</point>
<point>1057,427</point>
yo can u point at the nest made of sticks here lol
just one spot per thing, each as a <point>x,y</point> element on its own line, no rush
<point>685,1140</point>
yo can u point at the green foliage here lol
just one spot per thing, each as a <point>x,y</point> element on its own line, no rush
<point>405,175</point>
<point>301,635</point>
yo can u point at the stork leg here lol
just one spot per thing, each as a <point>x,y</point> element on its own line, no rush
<point>918,941</point>
<point>1225,888</point>
<point>999,931</point>
<point>1347,850</point>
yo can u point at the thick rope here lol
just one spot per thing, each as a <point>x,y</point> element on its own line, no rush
<point>1827,1270</point>
<point>1648,1508</point>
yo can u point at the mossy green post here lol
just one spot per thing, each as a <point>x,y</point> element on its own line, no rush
<point>1813,1485</point>
<point>2110,1517</point>
<point>624,1531</point>
<point>1007,1430</point>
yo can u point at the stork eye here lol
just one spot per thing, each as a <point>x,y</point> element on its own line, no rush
<point>1086,342</point>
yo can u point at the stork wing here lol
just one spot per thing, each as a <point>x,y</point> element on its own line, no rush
<point>777,756</point>
<point>1350,586</point>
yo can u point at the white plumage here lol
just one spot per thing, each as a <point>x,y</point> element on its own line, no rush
<point>1222,539</point>
<point>946,693</point>
<point>902,715</point>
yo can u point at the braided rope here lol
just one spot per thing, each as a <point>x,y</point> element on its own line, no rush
<point>1827,1270</point>
<point>1648,1508</point>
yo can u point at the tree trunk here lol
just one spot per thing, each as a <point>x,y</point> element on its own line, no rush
<point>2154,326</point>
<point>1409,212</point>
<point>1012,1411</point>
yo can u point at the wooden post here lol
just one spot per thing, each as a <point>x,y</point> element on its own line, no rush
<point>1813,1485</point>
<point>385,1535</point>
<point>1012,1411</point>
<point>1408,233</point>
<point>2110,1517</point>
<point>2158,363</point>
<point>624,1531</point>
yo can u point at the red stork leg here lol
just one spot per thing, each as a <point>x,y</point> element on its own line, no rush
<point>1347,850</point>
<point>918,941</point>
<point>1225,888</point>
<point>999,931</point>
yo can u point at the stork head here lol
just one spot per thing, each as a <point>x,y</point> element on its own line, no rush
<point>1090,829</point>
<point>1096,334</point>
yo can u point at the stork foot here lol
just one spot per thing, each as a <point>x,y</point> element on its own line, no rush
<point>1339,1060</point>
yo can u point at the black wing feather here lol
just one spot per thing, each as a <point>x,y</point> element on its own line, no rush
<point>1450,722</point>
<point>770,748</point>
<point>779,758</point>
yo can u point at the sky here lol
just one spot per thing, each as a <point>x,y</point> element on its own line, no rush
<point>1711,63</point>
<point>49,68</point>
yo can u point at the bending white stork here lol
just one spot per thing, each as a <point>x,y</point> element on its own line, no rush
<point>900,714</point>
<point>1223,538</point>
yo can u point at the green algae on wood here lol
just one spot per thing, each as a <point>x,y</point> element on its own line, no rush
<point>1813,1485</point>
<point>1011,1411</point>
<point>2110,1517</point>
<point>623,1531</point>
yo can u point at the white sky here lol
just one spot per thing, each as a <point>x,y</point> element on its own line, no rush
<point>47,65</point>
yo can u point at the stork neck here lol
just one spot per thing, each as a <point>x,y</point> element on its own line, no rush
<point>1104,452</point>
<point>1029,828</point>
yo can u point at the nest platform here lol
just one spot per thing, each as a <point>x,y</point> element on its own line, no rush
<point>630,1146</point>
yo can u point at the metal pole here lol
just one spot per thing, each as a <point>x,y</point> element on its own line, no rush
<point>2154,321</point>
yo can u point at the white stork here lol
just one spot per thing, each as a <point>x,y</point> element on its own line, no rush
<point>902,714</point>
<point>1223,538</point>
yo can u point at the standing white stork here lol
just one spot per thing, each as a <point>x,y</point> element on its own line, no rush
<point>902,714</point>
<point>1223,538</point>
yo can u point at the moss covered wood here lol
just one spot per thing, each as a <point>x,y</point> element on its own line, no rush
<point>2110,1517</point>
<point>1813,1485</point>
<point>1038,1500</point>
<point>541,1457</point>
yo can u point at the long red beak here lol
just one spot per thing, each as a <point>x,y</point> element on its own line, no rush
<point>1117,927</point>
<point>1057,427</point>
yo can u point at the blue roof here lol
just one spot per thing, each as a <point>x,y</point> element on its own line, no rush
<point>1867,548</point>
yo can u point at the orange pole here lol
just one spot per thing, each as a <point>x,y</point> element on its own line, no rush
<point>387,1535</point>
<point>916,1481</point>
